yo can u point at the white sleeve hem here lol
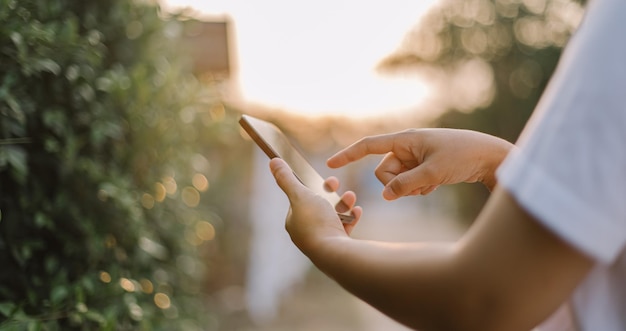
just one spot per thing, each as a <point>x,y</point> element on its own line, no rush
<point>559,210</point>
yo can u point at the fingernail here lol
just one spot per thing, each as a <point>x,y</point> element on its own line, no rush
<point>388,193</point>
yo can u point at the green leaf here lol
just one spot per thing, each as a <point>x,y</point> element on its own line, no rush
<point>95,316</point>
<point>15,107</point>
<point>17,39</point>
<point>42,221</point>
<point>59,293</point>
<point>46,65</point>
<point>56,120</point>
<point>21,316</point>
<point>86,92</point>
<point>15,157</point>
<point>76,318</point>
<point>7,308</point>
<point>51,264</point>
<point>51,145</point>
<point>34,326</point>
<point>88,284</point>
<point>81,307</point>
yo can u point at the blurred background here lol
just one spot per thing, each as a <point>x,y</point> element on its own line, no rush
<point>130,199</point>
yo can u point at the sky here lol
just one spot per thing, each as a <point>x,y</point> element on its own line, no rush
<point>319,57</point>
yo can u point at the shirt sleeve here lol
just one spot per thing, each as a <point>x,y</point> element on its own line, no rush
<point>570,169</point>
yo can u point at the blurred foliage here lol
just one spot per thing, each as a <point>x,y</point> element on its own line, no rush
<point>116,164</point>
<point>497,57</point>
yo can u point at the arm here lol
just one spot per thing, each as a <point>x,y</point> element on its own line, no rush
<point>506,273</point>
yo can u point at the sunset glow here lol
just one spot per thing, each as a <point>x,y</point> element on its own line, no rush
<point>318,57</point>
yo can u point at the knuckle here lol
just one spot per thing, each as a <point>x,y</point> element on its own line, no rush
<point>381,174</point>
<point>365,144</point>
<point>409,131</point>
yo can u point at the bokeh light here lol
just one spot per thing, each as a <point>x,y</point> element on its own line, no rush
<point>162,300</point>
<point>159,192</point>
<point>110,241</point>
<point>105,277</point>
<point>147,201</point>
<point>190,196</point>
<point>136,312</point>
<point>146,286</point>
<point>200,182</point>
<point>127,284</point>
<point>170,185</point>
<point>205,230</point>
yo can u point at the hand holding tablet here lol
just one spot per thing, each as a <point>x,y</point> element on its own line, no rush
<point>275,144</point>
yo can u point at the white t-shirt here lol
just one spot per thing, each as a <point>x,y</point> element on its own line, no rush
<point>570,169</point>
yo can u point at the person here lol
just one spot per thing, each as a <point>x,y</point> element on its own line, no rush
<point>547,249</point>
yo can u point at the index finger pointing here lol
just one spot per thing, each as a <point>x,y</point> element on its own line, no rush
<point>379,144</point>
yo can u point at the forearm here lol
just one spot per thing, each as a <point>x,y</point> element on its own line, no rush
<point>410,282</point>
<point>507,272</point>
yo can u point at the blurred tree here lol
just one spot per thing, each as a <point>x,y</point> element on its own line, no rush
<point>116,166</point>
<point>491,60</point>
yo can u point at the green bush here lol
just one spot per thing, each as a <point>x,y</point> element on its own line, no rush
<point>108,145</point>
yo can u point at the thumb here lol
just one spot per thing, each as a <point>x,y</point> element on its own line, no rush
<point>414,180</point>
<point>285,178</point>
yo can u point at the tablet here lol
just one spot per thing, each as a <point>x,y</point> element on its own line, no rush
<point>276,144</point>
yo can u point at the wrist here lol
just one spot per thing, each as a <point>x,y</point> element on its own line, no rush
<point>311,238</point>
<point>326,250</point>
<point>496,156</point>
